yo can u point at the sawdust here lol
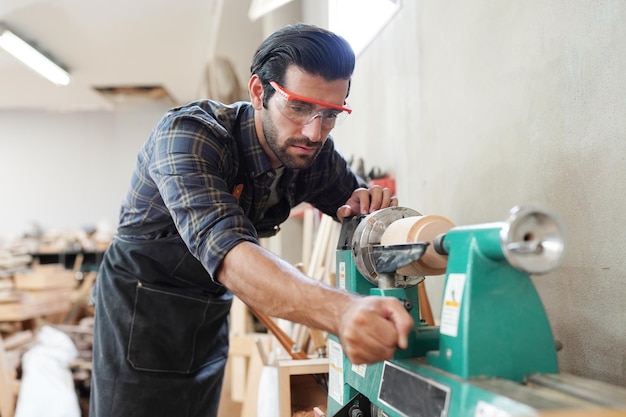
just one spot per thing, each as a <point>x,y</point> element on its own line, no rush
<point>303,413</point>
<point>308,412</point>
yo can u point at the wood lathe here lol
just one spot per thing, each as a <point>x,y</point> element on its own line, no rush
<point>493,353</point>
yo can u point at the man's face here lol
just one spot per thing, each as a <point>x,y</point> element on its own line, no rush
<point>297,144</point>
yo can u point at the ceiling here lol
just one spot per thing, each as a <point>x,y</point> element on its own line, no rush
<point>120,44</point>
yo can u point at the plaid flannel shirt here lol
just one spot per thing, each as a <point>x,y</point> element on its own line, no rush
<point>203,170</point>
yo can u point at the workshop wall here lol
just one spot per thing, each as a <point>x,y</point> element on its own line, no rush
<point>66,171</point>
<point>480,106</point>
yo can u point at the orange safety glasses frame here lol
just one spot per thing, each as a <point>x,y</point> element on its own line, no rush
<point>293,96</point>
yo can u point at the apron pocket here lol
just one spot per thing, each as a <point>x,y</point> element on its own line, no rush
<point>173,332</point>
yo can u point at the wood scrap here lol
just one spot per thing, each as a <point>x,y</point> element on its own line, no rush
<point>43,277</point>
<point>10,261</point>
<point>81,299</point>
<point>304,413</point>
<point>329,265</point>
<point>319,337</point>
<point>286,342</point>
<point>315,267</point>
<point>307,236</point>
<point>18,340</point>
<point>258,359</point>
<point>8,398</point>
<point>240,326</point>
<point>424,304</point>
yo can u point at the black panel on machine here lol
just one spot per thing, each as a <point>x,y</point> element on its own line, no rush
<point>412,395</point>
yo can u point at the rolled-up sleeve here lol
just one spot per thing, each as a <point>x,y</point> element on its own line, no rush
<point>192,163</point>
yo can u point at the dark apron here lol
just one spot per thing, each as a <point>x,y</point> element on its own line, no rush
<point>161,331</point>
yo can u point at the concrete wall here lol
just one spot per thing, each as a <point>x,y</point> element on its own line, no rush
<point>479,106</point>
<point>67,171</point>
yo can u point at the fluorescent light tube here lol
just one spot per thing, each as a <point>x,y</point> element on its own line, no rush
<point>33,58</point>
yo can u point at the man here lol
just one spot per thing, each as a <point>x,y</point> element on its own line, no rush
<point>210,180</point>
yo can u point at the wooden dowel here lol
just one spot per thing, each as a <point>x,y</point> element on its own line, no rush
<point>280,335</point>
<point>425,310</point>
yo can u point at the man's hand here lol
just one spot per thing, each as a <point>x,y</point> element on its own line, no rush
<point>366,201</point>
<point>371,329</point>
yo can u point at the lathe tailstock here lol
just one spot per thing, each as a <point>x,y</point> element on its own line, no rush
<point>493,353</point>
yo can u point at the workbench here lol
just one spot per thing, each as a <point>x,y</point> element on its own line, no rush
<point>89,260</point>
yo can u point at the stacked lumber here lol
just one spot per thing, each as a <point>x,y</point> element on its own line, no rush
<point>30,298</point>
<point>10,264</point>
<point>39,291</point>
<point>34,294</point>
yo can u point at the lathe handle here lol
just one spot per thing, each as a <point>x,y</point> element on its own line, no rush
<point>533,239</point>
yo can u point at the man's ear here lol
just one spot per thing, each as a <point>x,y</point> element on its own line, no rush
<point>255,88</point>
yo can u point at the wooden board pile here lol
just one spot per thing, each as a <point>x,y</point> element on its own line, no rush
<point>10,264</point>
<point>39,291</point>
<point>31,298</point>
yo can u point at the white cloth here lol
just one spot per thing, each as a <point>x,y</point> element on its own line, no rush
<point>267,402</point>
<point>47,387</point>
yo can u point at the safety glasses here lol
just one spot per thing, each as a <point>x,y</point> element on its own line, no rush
<point>303,110</point>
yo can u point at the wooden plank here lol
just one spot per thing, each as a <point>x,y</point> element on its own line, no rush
<point>331,248</point>
<point>424,304</point>
<point>19,312</point>
<point>307,236</point>
<point>320,245</point>
<point>17,340</point>
<point>249,407</point>
<point>241,345</point>
<point>7,381</point>
<point>240,324</point>
<point>287,368</point>
<point>80,298</point>
<point>44,277</point>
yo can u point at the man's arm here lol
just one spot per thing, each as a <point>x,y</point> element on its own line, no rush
<point>370,328</point>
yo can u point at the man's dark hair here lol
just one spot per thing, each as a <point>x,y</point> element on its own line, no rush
<point>315,50</point>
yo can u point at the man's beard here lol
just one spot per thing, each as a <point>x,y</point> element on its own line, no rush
<point>290,161</point>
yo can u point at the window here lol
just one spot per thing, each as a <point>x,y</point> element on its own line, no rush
<point>360,21</point>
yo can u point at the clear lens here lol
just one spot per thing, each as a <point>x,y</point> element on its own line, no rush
<point>304,113</point>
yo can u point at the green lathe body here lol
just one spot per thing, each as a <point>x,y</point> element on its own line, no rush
<point>493,353</point>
